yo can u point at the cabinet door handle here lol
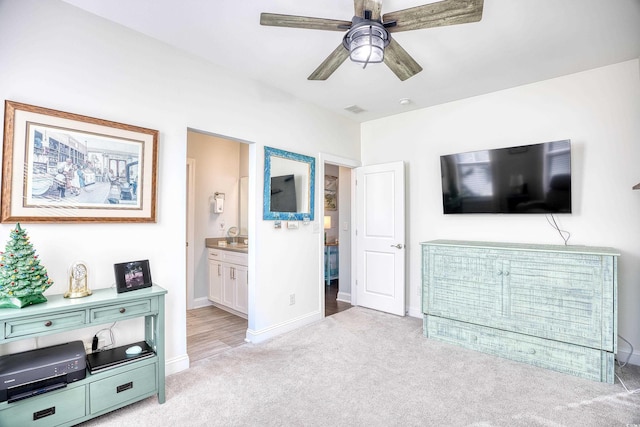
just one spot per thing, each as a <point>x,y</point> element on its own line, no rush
<point>122,310</point>
<point>219,272</point>
<point>48,323</point>
<point>233,273</point>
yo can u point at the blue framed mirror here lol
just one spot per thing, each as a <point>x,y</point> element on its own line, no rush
<point>289,183</point>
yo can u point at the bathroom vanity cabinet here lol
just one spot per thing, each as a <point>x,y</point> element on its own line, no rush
<point>550,306</point>
<point>229,280</point>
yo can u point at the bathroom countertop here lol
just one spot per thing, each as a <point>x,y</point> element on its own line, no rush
<point>212,243</point>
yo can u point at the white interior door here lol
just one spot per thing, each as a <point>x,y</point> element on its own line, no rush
<point>380,237</point>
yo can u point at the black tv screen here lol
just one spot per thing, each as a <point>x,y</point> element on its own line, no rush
<point>525,179</point>
<point>283,194</point>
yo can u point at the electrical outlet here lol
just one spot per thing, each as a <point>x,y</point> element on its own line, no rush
<point>292,299</point>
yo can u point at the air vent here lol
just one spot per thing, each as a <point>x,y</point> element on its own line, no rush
<point>355,109</point>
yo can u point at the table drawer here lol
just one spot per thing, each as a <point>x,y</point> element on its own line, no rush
<point>37,325</point>
<point>121,388</point>
<point>122,311</point>
<point>47,410</point>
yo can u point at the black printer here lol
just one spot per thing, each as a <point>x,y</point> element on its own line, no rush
<point>35,372</point>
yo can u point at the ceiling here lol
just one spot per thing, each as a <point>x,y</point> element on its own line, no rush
<point>516,42</point>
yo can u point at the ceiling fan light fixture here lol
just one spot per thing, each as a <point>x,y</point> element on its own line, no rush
<point>367,37</point>
<point>366,42</point>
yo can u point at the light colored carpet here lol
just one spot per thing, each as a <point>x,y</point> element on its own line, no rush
<point>365,368</point>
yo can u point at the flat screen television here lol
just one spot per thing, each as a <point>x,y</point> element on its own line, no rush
<point>283,194</point>
<point>532,178</point>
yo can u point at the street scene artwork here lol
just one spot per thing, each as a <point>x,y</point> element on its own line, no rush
<point>59,166</point>
<point>67,168</point>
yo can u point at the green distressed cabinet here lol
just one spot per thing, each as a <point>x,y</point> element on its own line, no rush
<point>550,306</point>
<point>101,392</point>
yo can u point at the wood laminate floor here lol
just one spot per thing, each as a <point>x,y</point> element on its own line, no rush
<point>331,305</point>
<point>211,330</point>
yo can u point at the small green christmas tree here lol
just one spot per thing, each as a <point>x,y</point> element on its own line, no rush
<point>22,278</point>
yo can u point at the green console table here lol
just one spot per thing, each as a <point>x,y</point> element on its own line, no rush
<point>101,392</point>
<point>549,306</point>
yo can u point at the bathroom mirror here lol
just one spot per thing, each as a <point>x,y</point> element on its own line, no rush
<point>289,181</point>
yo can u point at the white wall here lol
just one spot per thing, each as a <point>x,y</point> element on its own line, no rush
<point>57,56</point>
<point>599,110</point>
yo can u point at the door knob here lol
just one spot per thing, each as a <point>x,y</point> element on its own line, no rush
<point>398,246</point>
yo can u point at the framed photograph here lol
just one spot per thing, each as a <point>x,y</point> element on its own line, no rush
<point>132,275</point>
<point>64,167</point>
<point>330,193</point>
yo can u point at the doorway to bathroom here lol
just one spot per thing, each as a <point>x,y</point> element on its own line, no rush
<point>217,219</point>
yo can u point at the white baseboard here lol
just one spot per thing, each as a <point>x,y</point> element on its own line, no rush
<point>201,302</point>
<point>176,364</point>
<point>633,360</point>
<point>414,312</point>
<point>229,310</point>
<point>261,335</point>
<point>344,297</point>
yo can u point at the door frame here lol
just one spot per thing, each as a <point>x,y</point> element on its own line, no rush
<point>191,172</point>
<point>346,163</point>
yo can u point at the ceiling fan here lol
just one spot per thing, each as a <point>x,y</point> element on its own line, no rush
<point>368,34</point>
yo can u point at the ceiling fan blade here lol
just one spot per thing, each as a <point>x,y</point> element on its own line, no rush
<point>440,14</point>
<point>375,6</point>
<point>329,65</point>
<point>400,62</point>
<point>277,20</point>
